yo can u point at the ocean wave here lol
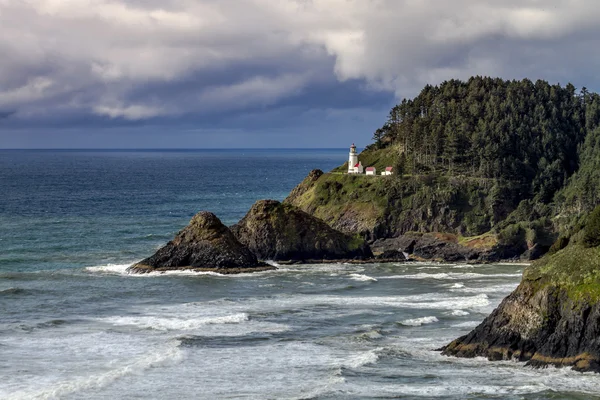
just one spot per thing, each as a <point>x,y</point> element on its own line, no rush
<point>467,324</point>
<point>459,313</point>
<point>122,269</point>
<point>458,285</point>
<point>362,359</point>
<point>451,276</point>
<point>419,321</point>
<point>113,269</point>
<point>169,354</point>
<point>362,278</point>
<point>171,324</point>
<point>12,290</point>
<point>487,289</point>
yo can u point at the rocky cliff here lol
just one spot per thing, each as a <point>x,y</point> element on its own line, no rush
<point>460,208</point>
<point>552,318</point>
<point>276,231</point>
<point>204,245</point>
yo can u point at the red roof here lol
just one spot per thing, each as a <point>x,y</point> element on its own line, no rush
<point>370,168</point>
<point>357,165</point>
<point>389,168</point>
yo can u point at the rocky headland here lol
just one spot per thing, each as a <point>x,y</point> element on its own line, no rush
<point>552,318</point>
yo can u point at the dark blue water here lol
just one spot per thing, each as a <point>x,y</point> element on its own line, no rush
<point>61,209</point>
<point>75,325</point>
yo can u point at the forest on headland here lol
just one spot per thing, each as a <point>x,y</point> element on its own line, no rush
<point>518,160</point>
<point>493,128</point>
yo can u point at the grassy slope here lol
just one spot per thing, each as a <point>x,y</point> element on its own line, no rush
<point>575,269</point>
<point>371,157</point>
<point>340,199</point>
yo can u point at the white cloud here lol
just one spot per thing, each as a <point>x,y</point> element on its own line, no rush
<point>131,112</point>
<point>79,53</point>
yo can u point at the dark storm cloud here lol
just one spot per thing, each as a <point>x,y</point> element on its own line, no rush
<point>247,64</point>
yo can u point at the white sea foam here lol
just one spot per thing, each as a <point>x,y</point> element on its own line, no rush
<point>458,285</point>
<point>169,354</point>
<point>171,324</point>
<point>362,278</point>
<point>467,324</point>
<point>122,269</point>
<point>459,313</point>
<point>451,276</point>
<point>419,321</point>
<point>361,359</point>
<point>501,288</point>
<point>114,269</point>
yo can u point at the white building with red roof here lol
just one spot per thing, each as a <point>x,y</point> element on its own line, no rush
<point>357,168</point>
<point>388,171</point>
<point>371,171</point>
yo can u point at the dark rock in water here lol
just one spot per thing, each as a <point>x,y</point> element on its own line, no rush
<point>552,318</point>
<point>204,245</point>
<point>276,231</point>
<point>542,327</point>
<point>427,247</point>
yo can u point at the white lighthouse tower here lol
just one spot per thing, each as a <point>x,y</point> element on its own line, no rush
<point>353,160</point>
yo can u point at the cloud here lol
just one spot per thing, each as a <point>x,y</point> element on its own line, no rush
<point>120,62</point>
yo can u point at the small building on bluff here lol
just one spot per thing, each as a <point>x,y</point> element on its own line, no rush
<point>357,169</point>
<point>371,171</point>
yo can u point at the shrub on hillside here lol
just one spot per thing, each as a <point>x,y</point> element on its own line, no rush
<point>560,244</point>
<point>591,234</point>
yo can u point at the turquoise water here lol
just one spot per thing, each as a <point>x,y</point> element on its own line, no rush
<point>75,325</point>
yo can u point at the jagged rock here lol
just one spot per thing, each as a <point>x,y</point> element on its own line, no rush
<point>427,247</point>
<point>276,231</point>
<point>552,318</point>
<point>204,245</point>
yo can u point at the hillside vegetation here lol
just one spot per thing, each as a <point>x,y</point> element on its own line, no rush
<point>515,159</point>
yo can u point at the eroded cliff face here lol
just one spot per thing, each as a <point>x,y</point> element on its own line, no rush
<point>204,245</point>
<point>283,232</point>
<point>387,206</point>
<point>552,318</point>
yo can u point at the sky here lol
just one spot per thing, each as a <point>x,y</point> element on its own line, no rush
<point>263,73</point>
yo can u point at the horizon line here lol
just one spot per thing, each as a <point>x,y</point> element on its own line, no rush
<point>166,148</point>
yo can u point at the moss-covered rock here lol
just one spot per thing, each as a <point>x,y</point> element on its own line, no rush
<point>204,245</point>
<point>552,318</point>
<point>277,231</point>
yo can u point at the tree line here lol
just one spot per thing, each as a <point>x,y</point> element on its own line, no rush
<point>526,131</point>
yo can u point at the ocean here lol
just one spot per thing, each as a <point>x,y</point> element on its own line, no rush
<point>75,325</point>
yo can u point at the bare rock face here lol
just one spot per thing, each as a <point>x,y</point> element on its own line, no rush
<point>204,245</point>
<point>543,326</point>
<point>276,231</point>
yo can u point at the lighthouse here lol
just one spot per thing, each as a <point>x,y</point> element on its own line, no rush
<point>353,159</point>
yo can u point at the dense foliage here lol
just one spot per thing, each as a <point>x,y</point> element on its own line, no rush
<point>496,129</point>
<point>591,234</point>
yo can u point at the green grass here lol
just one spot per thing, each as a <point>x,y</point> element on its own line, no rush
<point>378,158</point>
<point>575,269</point>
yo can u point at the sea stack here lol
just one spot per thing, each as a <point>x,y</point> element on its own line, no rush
<point>204,245</point>
<point>282,232</point>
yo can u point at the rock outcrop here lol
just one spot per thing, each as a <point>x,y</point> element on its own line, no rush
<point>428,247</point>
<point>277,231</point>
<point>204,245</point>
<point>552,318</point>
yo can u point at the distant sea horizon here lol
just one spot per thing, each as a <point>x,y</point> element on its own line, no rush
<point>170,149</point>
